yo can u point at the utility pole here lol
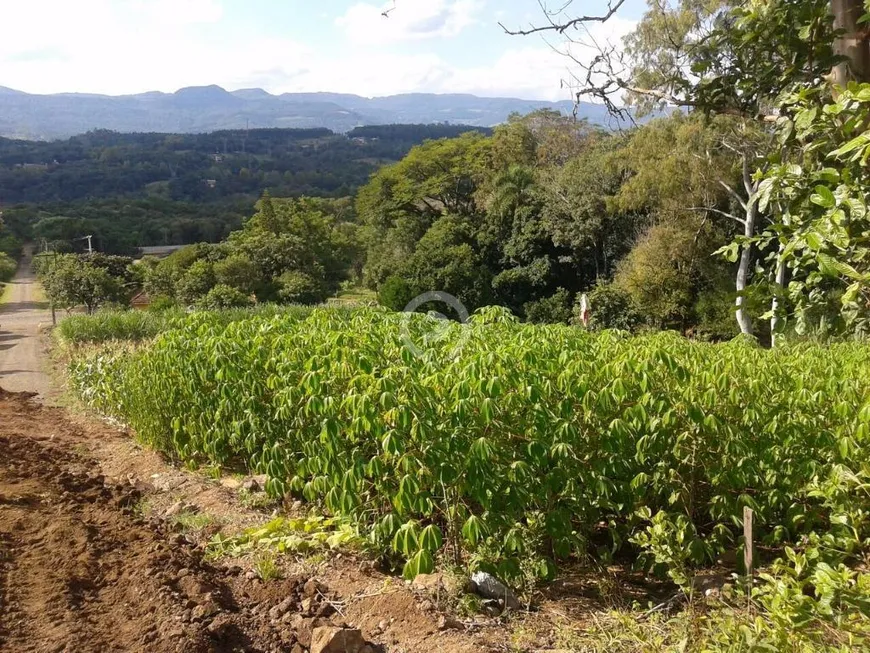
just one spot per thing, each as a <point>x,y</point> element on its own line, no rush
<point>90,244</point>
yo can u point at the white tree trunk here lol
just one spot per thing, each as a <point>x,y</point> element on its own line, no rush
<point>775,304</point>
<point>743,319</point>
<point>750,208</point>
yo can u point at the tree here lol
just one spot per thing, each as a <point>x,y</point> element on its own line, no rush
<point>297,287</point>
<point>610,308</point>
<point>239,272</point>
<point>717,58</point>
<point>195,282</point>
<point>222,297</point>
<point>665,271</point>
<point>7,267</point>
<point>402,201</point>
<point>818,194</point>
<point>70,282</point>
<point>445,260</point>
<point>578,211</point>
<point>396,293</point>
<point>555,309</point>
<point>852,42</point>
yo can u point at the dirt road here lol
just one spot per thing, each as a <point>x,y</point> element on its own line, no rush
<point>22,363</point>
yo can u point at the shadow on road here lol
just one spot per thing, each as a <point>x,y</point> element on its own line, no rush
<point>12,372</point>
<point>24,306</point>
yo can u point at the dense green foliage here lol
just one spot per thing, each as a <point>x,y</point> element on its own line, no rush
<point>132,190</point>
<point>541,442</point>
<point>7,267</point>
<point>90,281</point>
<point>546,208</point>
<point>290,251</point>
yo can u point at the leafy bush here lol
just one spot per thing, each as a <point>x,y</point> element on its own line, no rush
<point>555,309</point>
<point>395,293</point>
<point>71,281</point>
<point>223,296</point>
<point>7,267</point>
<point>610,308</point>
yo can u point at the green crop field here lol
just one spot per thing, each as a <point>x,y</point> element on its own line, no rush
<point>519,447</point>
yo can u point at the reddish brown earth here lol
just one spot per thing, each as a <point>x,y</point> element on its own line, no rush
<point>81,570</point>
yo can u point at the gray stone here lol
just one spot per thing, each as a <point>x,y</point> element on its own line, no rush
<point>490,587</point>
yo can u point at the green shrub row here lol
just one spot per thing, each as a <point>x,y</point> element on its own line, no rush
<point>506,439</point>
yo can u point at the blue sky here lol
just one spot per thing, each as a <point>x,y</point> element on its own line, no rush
<point>130,46</point>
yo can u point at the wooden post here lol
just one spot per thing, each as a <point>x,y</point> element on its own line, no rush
<point>748,551</point>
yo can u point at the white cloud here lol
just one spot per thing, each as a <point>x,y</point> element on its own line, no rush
<point>101,46</point>
<point>179,12</point>
<point>366,24</point>
<point>131,46</point>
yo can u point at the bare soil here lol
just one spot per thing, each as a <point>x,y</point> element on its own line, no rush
<point>81,569</point>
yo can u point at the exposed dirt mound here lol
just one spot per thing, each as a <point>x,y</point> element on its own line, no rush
<point>80,571</point>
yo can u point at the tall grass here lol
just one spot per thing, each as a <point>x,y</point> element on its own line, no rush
<point>136,326</point>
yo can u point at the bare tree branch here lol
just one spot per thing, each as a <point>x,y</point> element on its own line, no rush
<point>734,194</point>
<point>561,27</point>
<point>722,213</point>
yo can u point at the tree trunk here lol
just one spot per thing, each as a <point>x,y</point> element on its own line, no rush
<point>775,304</point>
<point>853,43</point>
<point>751,215</point>
<point>743,319</point>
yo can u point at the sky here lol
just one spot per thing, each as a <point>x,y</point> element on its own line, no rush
<point>439,46</point>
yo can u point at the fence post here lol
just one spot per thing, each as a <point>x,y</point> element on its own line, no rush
<point>748,551</point>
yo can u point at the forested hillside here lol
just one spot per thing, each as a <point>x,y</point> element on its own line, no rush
<point>130,190</point>
<point>210,108</point>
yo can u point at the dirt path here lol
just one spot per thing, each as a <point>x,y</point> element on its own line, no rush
<point>80,571</point>
<point>22,362</point>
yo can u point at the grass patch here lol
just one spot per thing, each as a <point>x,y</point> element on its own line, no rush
<point>104,326</point>
<point>189,521</point>
<point>255,500</point>
<point>144,507</point>
<point>356,295</point>
<point>138,326</point>
<point>266,568</point>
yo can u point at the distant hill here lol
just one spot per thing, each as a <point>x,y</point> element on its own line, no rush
<point>211,108</point>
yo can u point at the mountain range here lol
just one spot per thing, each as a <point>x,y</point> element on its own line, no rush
<point>211,108</point>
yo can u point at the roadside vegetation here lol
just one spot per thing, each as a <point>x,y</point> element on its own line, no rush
<point>138,326</point>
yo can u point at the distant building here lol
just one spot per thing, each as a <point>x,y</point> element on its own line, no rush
<point>141,300</point>
<point>211,183</point>
<point>159,251</point>
<point>218,158</point>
